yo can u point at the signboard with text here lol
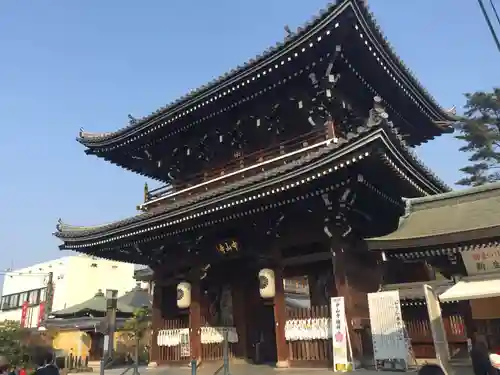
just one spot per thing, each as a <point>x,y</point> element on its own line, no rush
<point>390,344</point>
<point>339,335</point>
<point>482,260</point>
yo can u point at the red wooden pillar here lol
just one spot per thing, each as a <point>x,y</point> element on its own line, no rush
<point>156,320</point>
<point>280,320</point>
<point>195,321</point>
<point>240,303</point>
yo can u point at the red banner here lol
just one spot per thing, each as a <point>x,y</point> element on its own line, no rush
<point>24,313</point>
<point>41,313</point>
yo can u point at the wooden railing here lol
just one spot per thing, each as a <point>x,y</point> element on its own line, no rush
<point>312,352</point>
<point>171,354</point>
<point>214,351</point>
<point>241,162</point>
<point>419,331</point>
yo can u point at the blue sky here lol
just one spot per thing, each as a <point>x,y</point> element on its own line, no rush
<point>71,64</point>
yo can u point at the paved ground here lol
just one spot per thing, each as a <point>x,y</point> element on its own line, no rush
<point>237,369</point>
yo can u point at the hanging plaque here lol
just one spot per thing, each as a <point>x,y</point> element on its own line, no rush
<point>227,247</point>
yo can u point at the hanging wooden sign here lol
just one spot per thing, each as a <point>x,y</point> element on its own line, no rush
<point>228,247</point>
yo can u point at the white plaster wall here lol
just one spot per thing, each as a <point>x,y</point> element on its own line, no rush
<point>86,275</point>
<point>76,279</point>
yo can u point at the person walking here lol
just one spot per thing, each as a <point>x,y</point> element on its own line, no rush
<point>46,366</point>
<point>480,358</point>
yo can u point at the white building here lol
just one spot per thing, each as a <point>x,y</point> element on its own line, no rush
<point>75,279</point>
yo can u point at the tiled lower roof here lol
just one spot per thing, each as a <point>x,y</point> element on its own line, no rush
<point>465,215</point>
<point>327,154</point>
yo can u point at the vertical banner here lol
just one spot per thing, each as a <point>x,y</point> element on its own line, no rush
<point>390,349</point>
<point>339,335</point>
<point>437,328</point>
<point>24,314</point>
<point>41,314</point>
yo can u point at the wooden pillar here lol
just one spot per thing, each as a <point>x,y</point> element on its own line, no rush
<point>195,321</point>
<point>240,316</point>
<point>280,319</point>
<point>342,289</point>
<point>156,322</point>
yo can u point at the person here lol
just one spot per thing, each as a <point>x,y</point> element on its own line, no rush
<point>4,365</point>
<point>431,369</point>
<point>479,354</point>
<point>46,366</point>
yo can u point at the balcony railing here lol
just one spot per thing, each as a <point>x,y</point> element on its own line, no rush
<point>247,163</point>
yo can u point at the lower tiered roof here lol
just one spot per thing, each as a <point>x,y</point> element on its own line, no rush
<point>378,141</point>
<point>445,222</point>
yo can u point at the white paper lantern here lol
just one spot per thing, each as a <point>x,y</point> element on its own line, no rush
<point>183,295</point>
<point>267,283</point>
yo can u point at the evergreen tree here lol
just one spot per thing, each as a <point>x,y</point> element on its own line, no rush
<point>11,338</point>
<point>138,329</point>
<point>480,130</point>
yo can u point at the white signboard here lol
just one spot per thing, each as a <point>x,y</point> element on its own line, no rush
<point>390,347</point>
<point>185,344</point>
<point>437,328</point>
<point>339,335</point>
<point>482,260</point>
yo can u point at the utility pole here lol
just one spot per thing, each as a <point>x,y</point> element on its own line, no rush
<point>111,296</point>
<point>49,296</point>
<point>110,328</point>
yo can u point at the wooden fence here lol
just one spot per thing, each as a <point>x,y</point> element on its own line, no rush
<point>319,352</point>
<point>419,331</point>
<point>315,353</point>
<point>171,354</point>
<point>214,351</point>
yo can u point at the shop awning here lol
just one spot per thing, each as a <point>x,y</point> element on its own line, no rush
<point>473,287</point>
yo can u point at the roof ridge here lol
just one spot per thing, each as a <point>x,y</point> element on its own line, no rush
<point>471,192</point>
<point>234,75</point>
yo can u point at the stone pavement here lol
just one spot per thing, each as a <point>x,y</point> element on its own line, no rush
<point>241,369</point>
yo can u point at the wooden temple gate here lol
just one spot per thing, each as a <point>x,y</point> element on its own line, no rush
<point>252,319</point>
<point>278,170</point>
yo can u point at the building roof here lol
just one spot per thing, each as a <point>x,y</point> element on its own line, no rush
<point>82,323</point>
<point>306,37</point>
<point>457,216</point>
<point>137,298</point>
<point>96,304</point>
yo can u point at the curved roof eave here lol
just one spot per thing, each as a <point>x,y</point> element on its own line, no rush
<point>71,233</point>
<point>316,24</point>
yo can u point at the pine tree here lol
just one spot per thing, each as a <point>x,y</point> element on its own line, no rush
<point>137,328</point>
<point>480,129</point>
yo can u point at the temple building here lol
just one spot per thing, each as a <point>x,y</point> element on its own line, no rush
<point>276,170</point>
<point>78,328</point>
<point>456,234</point>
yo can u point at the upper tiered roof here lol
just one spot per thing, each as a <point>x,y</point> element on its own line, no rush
<point>350,15</point>
<point>376,141</point>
